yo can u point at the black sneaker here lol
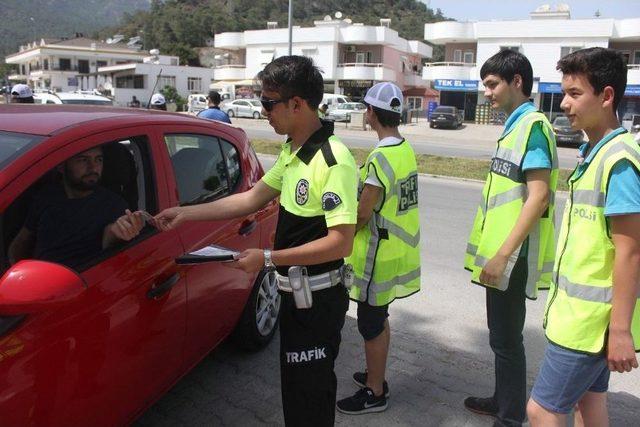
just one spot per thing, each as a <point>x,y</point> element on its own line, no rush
<point>363,402</point>
<point>482,405</point>
<point>360,378</point>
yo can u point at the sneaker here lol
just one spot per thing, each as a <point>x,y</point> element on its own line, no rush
<point>360,378</point>
<point>363,402</point>
<point>482,405</point>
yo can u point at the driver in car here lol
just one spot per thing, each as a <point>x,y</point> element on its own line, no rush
<point>72,221</point>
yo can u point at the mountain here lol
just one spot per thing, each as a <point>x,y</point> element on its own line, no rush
<point>23,21</point>
<point>176,27</point>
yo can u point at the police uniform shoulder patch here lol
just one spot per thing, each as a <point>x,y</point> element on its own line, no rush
<point>330,201</point>
<point>302,192</point>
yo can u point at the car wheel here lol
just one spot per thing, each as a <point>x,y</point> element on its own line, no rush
<point>259,320</point>
<point>230,113</point>
<point>431,125</point>
<point>256,115</point>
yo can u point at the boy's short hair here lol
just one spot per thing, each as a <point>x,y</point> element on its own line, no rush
<point>387,119</point>
<point>603,67</point>
<point>214,97</point>
<point>506,64</point>
<point>294,76</point>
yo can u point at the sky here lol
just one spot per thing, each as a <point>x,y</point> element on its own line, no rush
<point>475,10</point>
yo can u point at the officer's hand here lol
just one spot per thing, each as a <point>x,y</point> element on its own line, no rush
<point>250,261</point>
<point>621,355</point>
<point>170,218</point>
<point>492,273</point>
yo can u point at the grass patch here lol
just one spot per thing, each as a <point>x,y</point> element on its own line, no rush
<point>457,167</point>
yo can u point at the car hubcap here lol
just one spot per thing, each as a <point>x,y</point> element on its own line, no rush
<point>268,304</point>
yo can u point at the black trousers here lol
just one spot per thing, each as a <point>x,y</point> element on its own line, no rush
<point>309,344</point>
<point>505,315</point>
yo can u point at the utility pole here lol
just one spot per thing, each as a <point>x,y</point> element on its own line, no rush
<point>290,25</point>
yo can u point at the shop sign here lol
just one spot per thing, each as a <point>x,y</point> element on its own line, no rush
<point>632,90</point>
<point>547,87</point>
<point>355,83</point>
<point>456,85</point>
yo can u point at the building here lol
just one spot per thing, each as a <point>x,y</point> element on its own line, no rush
<point>351,56</point>
<point>544,38</point>
<point>142,79</point>
<point>68,64</point>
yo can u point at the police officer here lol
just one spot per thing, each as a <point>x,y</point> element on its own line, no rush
<point>158,102</point>
<point>316,179</point>
<point>386,249</point>
<point>21,94</point>
<point>511,246</point>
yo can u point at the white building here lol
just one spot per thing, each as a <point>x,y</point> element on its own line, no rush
<point>351,56</point>
<point>544,38</point>
<point>68,64</point>
<point>153,74</point>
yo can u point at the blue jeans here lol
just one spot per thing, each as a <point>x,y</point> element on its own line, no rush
<point>505,317</point>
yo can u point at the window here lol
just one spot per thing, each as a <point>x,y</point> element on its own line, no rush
<point>200,167</point>
<point>130,82</point>
<point>363,57</point>
<point>626,56</point>
<point>194,84</point>
<point>566,50</point>
<point>71,233</point>
<point>514,48</point>
<point>83,66</point>
<point>457,55</point>
<point>46,64</point>
<point>468,57</point>
<point>636,57</point>
<point>65,64</point>
<point>164,81</point>
<point>101,64</point>
<point>233,162</point>
<point>414,102</point>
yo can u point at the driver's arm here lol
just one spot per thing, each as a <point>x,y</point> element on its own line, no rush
<point>22,245</point>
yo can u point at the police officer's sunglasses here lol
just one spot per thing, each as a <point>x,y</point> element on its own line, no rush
<point>269,104</point>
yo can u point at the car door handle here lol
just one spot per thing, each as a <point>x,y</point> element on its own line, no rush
<point>158,290</point>
<point>247,227</point>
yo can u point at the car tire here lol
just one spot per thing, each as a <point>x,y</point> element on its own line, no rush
<point>230,113</point>
<point>259,320</point>
<point>432,126</point>
<point>256,115</point>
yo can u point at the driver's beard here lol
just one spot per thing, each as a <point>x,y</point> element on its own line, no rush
<point>79,184</point>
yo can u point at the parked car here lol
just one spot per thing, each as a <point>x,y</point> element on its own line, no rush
<point>565,134</point>
<point>332,100</point>
<point>71,98</point>
<point>445,116</point>
<point>243,108</point>
<point>342,112</point>
<point>196,102</point>
<point>98,344</point>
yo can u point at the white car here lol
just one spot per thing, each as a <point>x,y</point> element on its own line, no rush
<point>243,108</point>
<point>342,112</point>
<point>76,98</point>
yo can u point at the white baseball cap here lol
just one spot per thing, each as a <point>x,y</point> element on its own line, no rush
<point>386,96</point>
<point>158,99</point>
<point>21,91</point>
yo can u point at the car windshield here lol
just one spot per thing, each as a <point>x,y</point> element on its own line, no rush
<point>561,121</point>
<point>12,144</point>
<point>256,103</point>
<point>448,110</point>
<point>87,102</point>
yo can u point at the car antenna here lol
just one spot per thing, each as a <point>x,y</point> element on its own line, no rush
<point>154,89</point>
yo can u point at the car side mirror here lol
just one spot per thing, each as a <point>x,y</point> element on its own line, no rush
<point>32,286</point>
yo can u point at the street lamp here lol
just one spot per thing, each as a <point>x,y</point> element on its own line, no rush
<point>33,28</point>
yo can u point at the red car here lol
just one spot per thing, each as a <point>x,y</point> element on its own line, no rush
<point>98,344</point>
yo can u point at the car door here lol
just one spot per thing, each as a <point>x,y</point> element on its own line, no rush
<point>241,108</point>
<point>104,356</point>
<point>204,169</point>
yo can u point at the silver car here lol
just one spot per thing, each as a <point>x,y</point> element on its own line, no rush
<point>342,112</point>
<point>243,108</point>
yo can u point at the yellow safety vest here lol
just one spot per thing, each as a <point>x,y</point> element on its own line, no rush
<point>503,196</point>
<point>579,304</point>
<point>386,252</point>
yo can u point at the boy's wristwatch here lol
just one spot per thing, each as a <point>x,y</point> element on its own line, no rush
<point>268,263</point>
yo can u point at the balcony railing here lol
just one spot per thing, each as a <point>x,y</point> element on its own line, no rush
<point>364,64</point>
<point>450,64</point>
<point>231,66</point>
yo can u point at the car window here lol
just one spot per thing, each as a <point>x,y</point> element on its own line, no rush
<point>561,121</point>
<point>256,103</point>
<point>12,144</point>
<point>70,231</point>
<point>232,158</point>
<point>199,166</point>
<point>449,110</point>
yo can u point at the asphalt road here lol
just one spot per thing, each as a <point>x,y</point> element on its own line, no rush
<point>471,141</point>
<point>440,352</point>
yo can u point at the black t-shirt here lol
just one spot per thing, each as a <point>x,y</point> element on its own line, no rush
<point>69,231</point>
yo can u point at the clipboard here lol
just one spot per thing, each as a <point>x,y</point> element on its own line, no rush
<point>207,254</point>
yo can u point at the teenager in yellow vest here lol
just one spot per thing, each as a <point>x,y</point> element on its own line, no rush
<point>592,318</point>
<point>386,248</point>
<point>510,250</point>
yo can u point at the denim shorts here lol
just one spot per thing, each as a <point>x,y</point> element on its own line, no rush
<point>565,376</point>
